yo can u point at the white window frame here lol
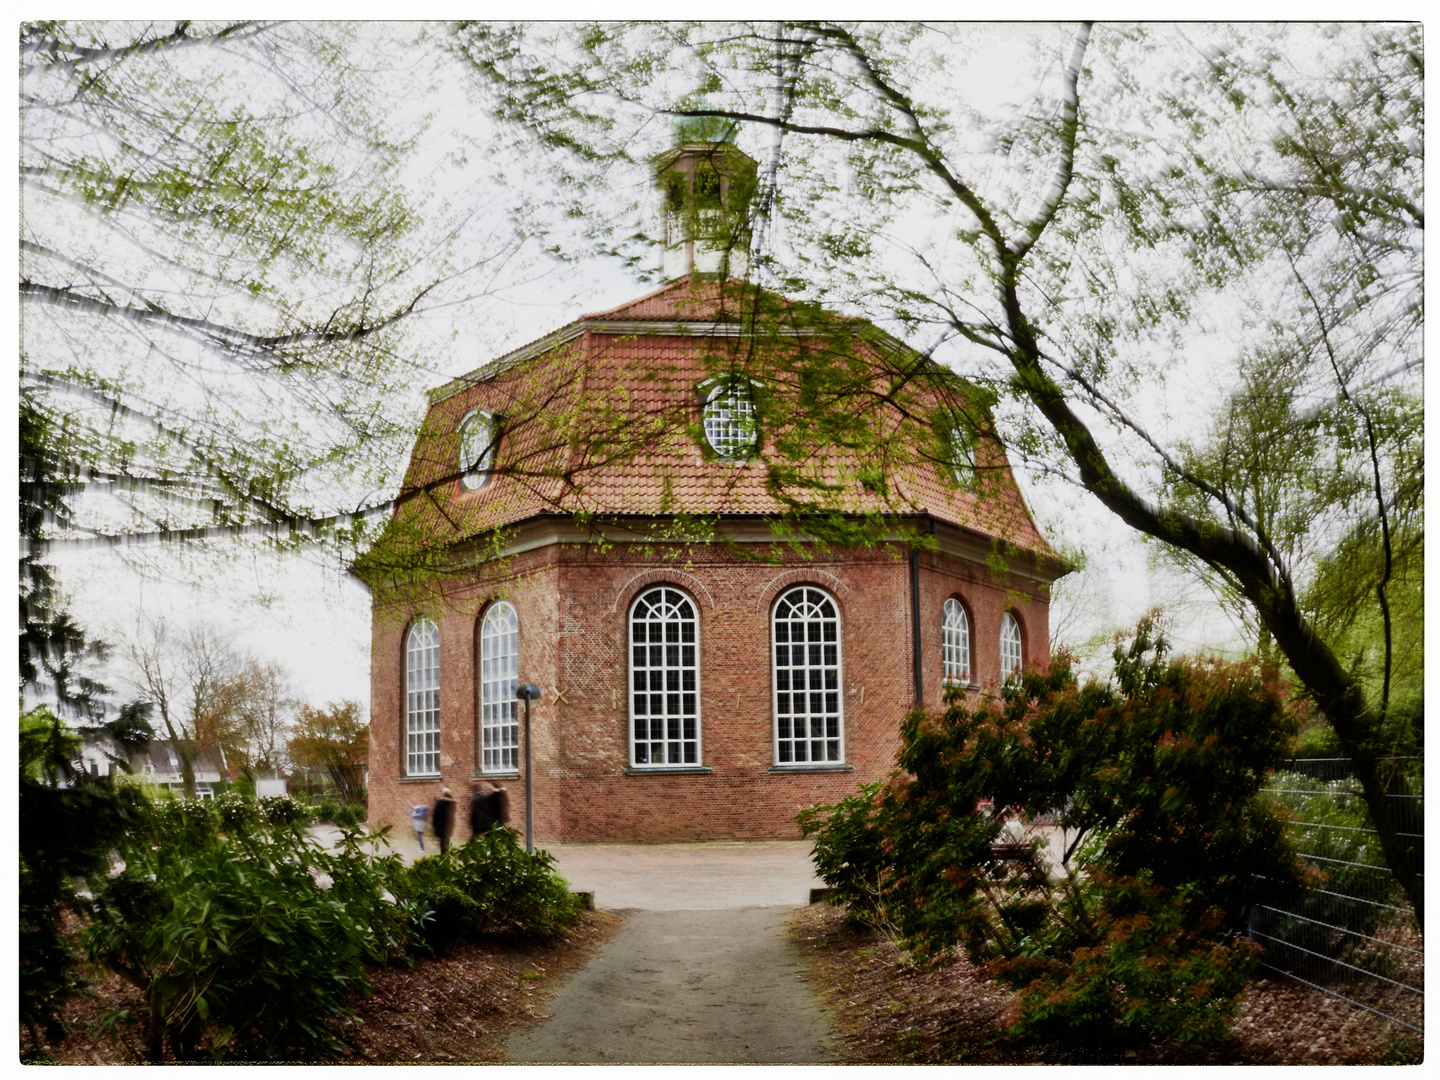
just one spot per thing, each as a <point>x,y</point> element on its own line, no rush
<point>1012,647</point>
<point>663,667</point>
<point>962,457</point>
<point>477,459</point>
<point>497,680</point>
<point>732,425</point>
<point>422,698</point>
<point>955,643</point>
<point>798,750</point>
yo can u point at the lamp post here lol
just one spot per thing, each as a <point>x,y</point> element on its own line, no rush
<point>528,692</point>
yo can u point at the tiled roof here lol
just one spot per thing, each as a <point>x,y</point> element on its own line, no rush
<point>571,408</point>
<point>683,300</point>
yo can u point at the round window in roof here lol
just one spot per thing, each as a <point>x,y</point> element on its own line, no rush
<point>730,422</point>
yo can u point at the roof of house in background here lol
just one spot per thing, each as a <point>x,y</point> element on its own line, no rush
<point>162,760</point>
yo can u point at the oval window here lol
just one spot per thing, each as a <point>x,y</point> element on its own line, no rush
<point>730,422</point>
<point>477,449</point>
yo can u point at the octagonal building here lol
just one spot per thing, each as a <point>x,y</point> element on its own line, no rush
<point>593,513</point>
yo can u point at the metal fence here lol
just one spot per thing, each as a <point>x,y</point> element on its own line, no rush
<point>1354,935</point>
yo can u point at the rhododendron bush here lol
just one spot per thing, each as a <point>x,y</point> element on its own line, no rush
<point>1129,923</point>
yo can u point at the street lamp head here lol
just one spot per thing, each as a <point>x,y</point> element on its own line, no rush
<point>528,692</point>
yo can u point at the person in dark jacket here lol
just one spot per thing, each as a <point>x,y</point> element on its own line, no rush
<point>442,819</point>
<point>488,807</point>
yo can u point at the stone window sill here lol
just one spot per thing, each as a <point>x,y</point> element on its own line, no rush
<point>428,779</point>
<point>478,775</point>
<point>827,766</point>
<point>666,770</point>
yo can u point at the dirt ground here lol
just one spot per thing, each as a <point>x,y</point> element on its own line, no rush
<point>694,987</point>
<point>455,1008</point>
<point>888,1010</point>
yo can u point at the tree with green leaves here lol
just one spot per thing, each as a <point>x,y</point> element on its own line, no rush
<point>219,262</point>
<point>1147,223</point>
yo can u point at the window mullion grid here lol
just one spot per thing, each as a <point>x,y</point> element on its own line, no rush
<point>955,660</point>
<point>499,677</point>
<point>806,662</point>
<point>422,700</point>
<point>664,690</point>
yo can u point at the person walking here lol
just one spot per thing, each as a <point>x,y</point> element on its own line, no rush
<point>488,807</point>
<point>418,813</point>
<point>442,820</point>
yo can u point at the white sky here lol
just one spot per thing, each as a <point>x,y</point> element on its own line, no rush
<point>315,619</point>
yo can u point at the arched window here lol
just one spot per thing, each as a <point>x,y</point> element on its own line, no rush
<point>422,699</point>
<point>1011,657</point>
<point>955,643</point>
<point>499,676</point>
<point>809,722</point>
<point>664,668</point>
<point>477,449</point>
<point>730,422</point>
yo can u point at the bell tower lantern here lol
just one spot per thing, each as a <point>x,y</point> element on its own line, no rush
<point>707,189</point>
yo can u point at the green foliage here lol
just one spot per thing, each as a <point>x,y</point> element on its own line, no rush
<point>243,190</point>
<point>53,647</point>
<point>244,786</point>
<point>1154,780</point>
<point>1155,190</point>
<point>249,939</point>
<point>488,883</point>
<point>68,823</point>
<point>179,820</point>
<point>222,919</point>
<point>1157,964</point>
<point>344,814</point>
<point>1335,834</point>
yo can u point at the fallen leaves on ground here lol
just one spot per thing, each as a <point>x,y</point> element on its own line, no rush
<point>459,1007</point>
<point>890,1010</point>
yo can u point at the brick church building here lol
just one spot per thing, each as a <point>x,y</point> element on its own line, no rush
<point>591,514</point>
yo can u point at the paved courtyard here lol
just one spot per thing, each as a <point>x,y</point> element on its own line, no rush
<point>668,877</point>
<point>690,877</point>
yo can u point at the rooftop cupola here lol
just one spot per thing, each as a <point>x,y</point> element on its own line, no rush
<point>707,188</point>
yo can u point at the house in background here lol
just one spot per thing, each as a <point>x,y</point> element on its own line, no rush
<point>693,688</point>
<point>98,753</point>
<point>160,764</point>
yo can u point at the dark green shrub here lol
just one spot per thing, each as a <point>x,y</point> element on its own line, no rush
<point>343,814</point>
<point>239,949</point>
<point>1156,780</point>
<point>244,786</point>
<point>1152,967</point>
<point>66,833</point>
<point>488,884</point>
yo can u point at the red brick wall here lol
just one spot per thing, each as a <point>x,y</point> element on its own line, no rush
<point>985,600</point>
<point>573,602</point>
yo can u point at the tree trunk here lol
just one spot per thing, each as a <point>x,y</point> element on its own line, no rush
<point>1242,558</point>
<point>187,772</point>
<point>155,1029</point>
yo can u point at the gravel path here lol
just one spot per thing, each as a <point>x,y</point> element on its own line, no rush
<point>701,972</point>
<point>690,987</point>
